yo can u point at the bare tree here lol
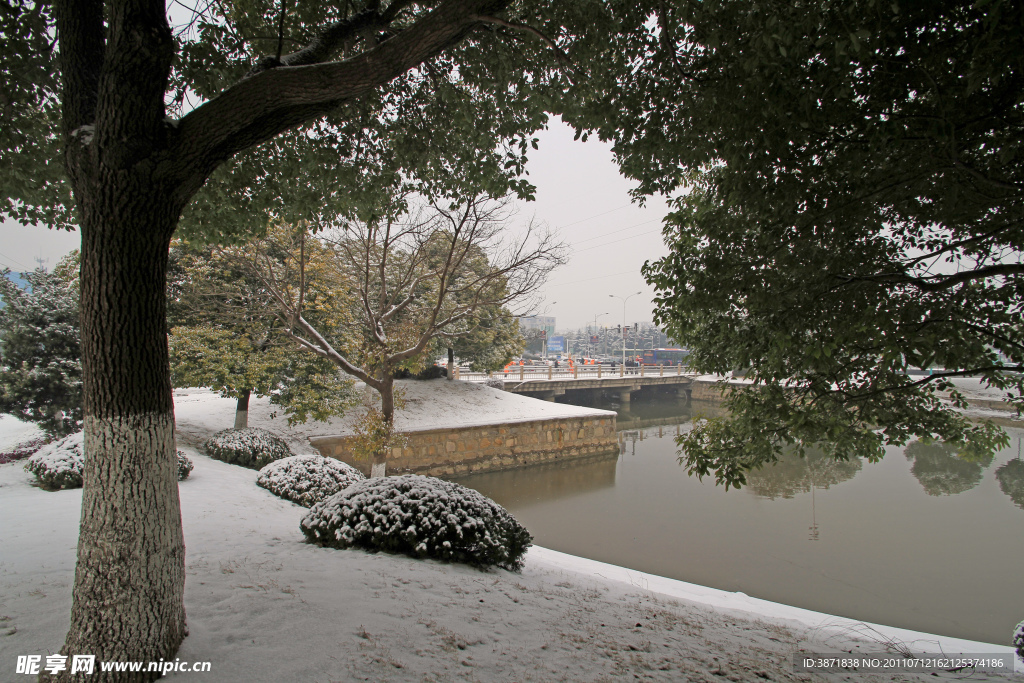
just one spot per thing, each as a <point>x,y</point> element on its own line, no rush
<point>414,280</point>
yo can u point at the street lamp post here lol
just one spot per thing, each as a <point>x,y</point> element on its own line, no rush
<point>613,296</point>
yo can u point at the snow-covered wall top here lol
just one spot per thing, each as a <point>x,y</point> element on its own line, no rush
<point>431,404</point>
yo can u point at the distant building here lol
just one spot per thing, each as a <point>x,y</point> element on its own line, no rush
<point>538,322</point>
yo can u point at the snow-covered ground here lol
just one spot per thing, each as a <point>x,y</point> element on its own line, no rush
<point>263,605</point>
<point>13,432</point>
<point>200,413</point>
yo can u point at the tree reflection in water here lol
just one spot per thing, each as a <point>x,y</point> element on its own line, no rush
<point>1011,479</point>
<point>792,474</point>
<point>941,471</point>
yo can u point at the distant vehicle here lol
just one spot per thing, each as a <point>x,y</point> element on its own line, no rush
<point>664,356</point>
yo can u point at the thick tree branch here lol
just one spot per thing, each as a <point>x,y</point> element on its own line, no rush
<point>978,175</point>
<point>258,108</point>
<point>518,26</point>
<point>940,282</point>
<point>936,283</point>
<point>80,33</point>
<point>130,106</point>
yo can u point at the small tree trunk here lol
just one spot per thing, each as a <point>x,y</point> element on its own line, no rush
<point>451,363</point>
<point>242,410</point>
<point>387,408</point>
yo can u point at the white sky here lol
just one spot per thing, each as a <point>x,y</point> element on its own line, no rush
<point>579,193</point>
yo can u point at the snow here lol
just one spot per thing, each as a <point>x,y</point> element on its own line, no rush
<point>249,447</point>
<point>429,404</point>
<point>307,479</point>
<point>59,464</point>
<point>420,517</point>
<point>14,432</point>
<point>264,605</point>
<point>185,466</point>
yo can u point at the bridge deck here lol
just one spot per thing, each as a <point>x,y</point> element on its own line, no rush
<point>558,380</point>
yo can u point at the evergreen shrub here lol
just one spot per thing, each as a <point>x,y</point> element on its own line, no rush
<point>251,447</point>
<point>307,479</point>
<point>420,517</point>
<point>59,465</point>
<point>184,466</point>
<point>432,372</point>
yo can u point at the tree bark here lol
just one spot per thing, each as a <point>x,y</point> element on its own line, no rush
<point>130,576</point>
<point>132,173</point>
<point>242,409</point>
<point>387,409</point>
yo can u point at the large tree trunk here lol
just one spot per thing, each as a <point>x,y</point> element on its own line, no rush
<point>128,599</point>
<point>451,363</point>
<point>387,408</point>
<point>242,409</point>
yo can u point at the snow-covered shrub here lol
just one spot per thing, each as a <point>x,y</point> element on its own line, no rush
<point>1018,640</point>
<point>307,479</point>
<point>59,465</point>
<point>250,447</point>
<point>495,383</point>
<point>421,517</point>
<point>184,466</point>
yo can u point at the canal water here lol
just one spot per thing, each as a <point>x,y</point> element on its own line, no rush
<point>920,540</point>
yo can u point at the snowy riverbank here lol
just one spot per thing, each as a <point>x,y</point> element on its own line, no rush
<point>263,605</point>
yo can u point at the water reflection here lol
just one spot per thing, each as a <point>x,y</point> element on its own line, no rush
<point>941,471</point>
<point>1011,481</point>
<point>880,547</point>
<point>792,474</point>
<point>539,483</point>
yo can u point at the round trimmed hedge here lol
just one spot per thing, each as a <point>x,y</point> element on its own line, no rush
<point>59,465</point>
<point>307,479</point>
<point>420,517</point>
<point>251,447</point>
<point>184,466</point>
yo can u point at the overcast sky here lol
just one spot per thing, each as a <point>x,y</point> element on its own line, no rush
<point>579,193</point>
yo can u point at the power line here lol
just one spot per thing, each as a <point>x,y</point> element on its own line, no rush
<point>14,261</point>
<point>596,215</point>
<point>628,227</point>
<point>599,277</point>
<point>598,246</point>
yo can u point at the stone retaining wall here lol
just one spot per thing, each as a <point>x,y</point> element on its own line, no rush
<point>702,390</point>
<point>465,450</point>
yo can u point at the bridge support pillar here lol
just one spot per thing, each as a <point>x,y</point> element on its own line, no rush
<point>624,396</point>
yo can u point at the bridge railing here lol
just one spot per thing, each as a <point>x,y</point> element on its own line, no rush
<point>533,372</point>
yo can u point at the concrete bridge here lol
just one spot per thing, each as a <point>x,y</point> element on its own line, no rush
<point>547,383</point>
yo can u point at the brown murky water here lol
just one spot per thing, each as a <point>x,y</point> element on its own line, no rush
<point>920,540</point>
